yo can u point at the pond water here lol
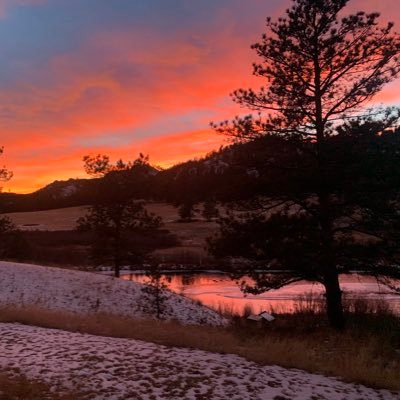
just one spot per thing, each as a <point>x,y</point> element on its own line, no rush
<point>218,291</point>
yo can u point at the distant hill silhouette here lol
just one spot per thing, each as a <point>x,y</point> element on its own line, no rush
<point>268,166</point>
<point>59,194</point>
<point>231,172</point>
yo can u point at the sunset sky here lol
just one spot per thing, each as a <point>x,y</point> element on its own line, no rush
<point>121,77</point>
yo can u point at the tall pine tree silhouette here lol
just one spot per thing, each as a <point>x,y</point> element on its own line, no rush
<point>319,68</point>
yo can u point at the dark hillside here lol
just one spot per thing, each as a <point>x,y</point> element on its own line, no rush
<point>226,174</point>
<point>263,166</point>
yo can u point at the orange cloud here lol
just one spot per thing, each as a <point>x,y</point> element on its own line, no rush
<point>29,175</point>
<point>126,90</point>
<point>86,100</point>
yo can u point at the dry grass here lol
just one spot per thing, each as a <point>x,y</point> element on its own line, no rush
<point>293,341</point>
<point>61,219</point>
<point>191,236</point>
<point>14,386</point>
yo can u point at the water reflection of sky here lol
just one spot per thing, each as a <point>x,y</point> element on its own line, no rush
<point>220,292</point>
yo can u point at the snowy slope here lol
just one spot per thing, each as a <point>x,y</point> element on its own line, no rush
<point>110,368</point>
<point>84,292</point>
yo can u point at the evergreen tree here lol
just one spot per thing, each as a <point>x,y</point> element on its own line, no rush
<point>9,236</point>
<point>320,68</point>
<point>5,174</point>
<point>209,210</point>
<point>155,292</point>
<point>186,211</point>
<point>116,214</point>
<point>7,227</point>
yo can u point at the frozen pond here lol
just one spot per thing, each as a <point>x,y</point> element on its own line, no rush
<point>218,291</point>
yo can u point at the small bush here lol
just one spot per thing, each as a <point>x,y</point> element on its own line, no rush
<point>155,292</point>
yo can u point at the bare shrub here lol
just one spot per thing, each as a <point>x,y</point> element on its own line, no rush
<point>309,303</point>
<point>248,310</point>
<point>362,305</point>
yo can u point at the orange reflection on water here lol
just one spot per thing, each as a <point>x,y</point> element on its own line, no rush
<point>218,291</point>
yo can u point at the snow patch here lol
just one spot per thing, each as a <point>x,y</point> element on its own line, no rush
<point>115,369</point>
<point>78,292</point>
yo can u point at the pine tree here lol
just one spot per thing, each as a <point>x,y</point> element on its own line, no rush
<point>116,214</point>
<point>5,174</point>
<point>319,68</point>
<point>209,210</point>
<point>155,292</point>
<point>7,228</point>
<point>186,211</point>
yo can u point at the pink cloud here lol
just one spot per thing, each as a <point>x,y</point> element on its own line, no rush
<point>129,80</point>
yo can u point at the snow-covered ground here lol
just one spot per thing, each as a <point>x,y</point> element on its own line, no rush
<point>122,369</point>
<point>80,292</point>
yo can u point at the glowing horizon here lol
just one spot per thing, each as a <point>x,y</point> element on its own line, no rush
<point>92,77</point>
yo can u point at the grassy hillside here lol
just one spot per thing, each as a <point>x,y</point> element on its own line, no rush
<point>53,240</point>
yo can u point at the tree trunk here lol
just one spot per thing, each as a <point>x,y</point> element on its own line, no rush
<point>334,306</point>
<point>333,292</point>
<point>117,250</point>
<point>117,259</point>
<point>117,268</point>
